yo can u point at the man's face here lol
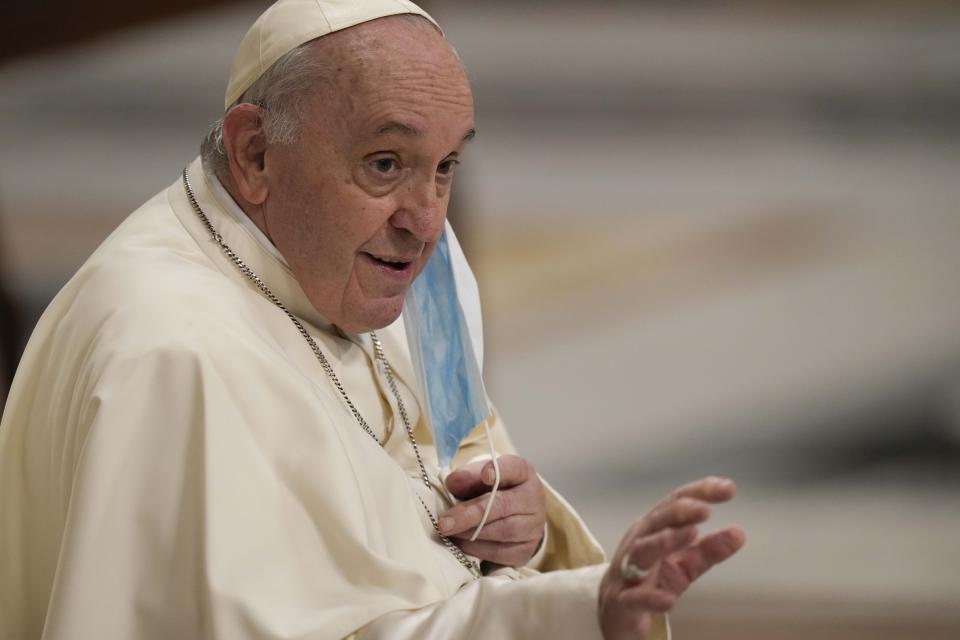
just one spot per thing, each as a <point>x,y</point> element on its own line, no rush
<point>357,203</point>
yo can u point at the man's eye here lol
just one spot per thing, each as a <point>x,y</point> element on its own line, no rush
<point>384,165</point>
<point>446,167</point>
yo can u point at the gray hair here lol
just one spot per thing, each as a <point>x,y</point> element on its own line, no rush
<point>280,92</point>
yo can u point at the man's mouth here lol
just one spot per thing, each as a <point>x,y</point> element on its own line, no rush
<point>395,263</point>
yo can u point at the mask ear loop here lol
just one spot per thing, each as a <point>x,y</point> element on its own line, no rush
<point>496,482</point>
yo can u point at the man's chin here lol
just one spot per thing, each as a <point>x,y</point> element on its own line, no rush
<point>372,316</point>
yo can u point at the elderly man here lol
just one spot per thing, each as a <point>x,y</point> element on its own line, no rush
<point>216,431</point>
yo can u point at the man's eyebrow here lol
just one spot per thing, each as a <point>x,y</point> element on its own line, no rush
<point>409,130</point>
<point>399,127</point>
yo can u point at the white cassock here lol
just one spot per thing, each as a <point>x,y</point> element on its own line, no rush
<point>174,463</point>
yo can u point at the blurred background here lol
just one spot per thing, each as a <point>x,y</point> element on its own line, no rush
<point>710,239</point>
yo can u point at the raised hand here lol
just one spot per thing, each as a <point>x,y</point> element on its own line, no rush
<point>661,555</point>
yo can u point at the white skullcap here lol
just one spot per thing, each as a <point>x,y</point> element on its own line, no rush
<point>287,24</point>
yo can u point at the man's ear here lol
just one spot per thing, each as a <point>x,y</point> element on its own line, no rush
<point>245,145</point>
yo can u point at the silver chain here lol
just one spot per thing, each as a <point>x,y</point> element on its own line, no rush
<point>331,374</point>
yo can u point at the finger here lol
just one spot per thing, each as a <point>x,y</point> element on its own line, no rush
<point>467,515</point>
<point>466,483</point>
<point>712,489</point>
<point>696,560</point>
<point>476,478</point>
<point>511,554</point>
<point>680,512</point>
<point>671,577</point>
<point>514,471</point>
<point>648,550</point>
<point>515,528</point>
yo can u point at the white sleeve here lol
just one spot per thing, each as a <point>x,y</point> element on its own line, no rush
<point>556,605</point>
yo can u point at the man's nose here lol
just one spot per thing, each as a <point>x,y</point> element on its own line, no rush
<point>422,209</point>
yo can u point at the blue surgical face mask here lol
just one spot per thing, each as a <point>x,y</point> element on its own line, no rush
<point>445,360</point>
<point>443,355</point>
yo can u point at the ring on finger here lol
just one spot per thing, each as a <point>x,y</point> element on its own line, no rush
<point>630,572</point>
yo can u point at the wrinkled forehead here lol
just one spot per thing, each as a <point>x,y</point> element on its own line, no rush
<point>391,49</point>
<point>398,62</point>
